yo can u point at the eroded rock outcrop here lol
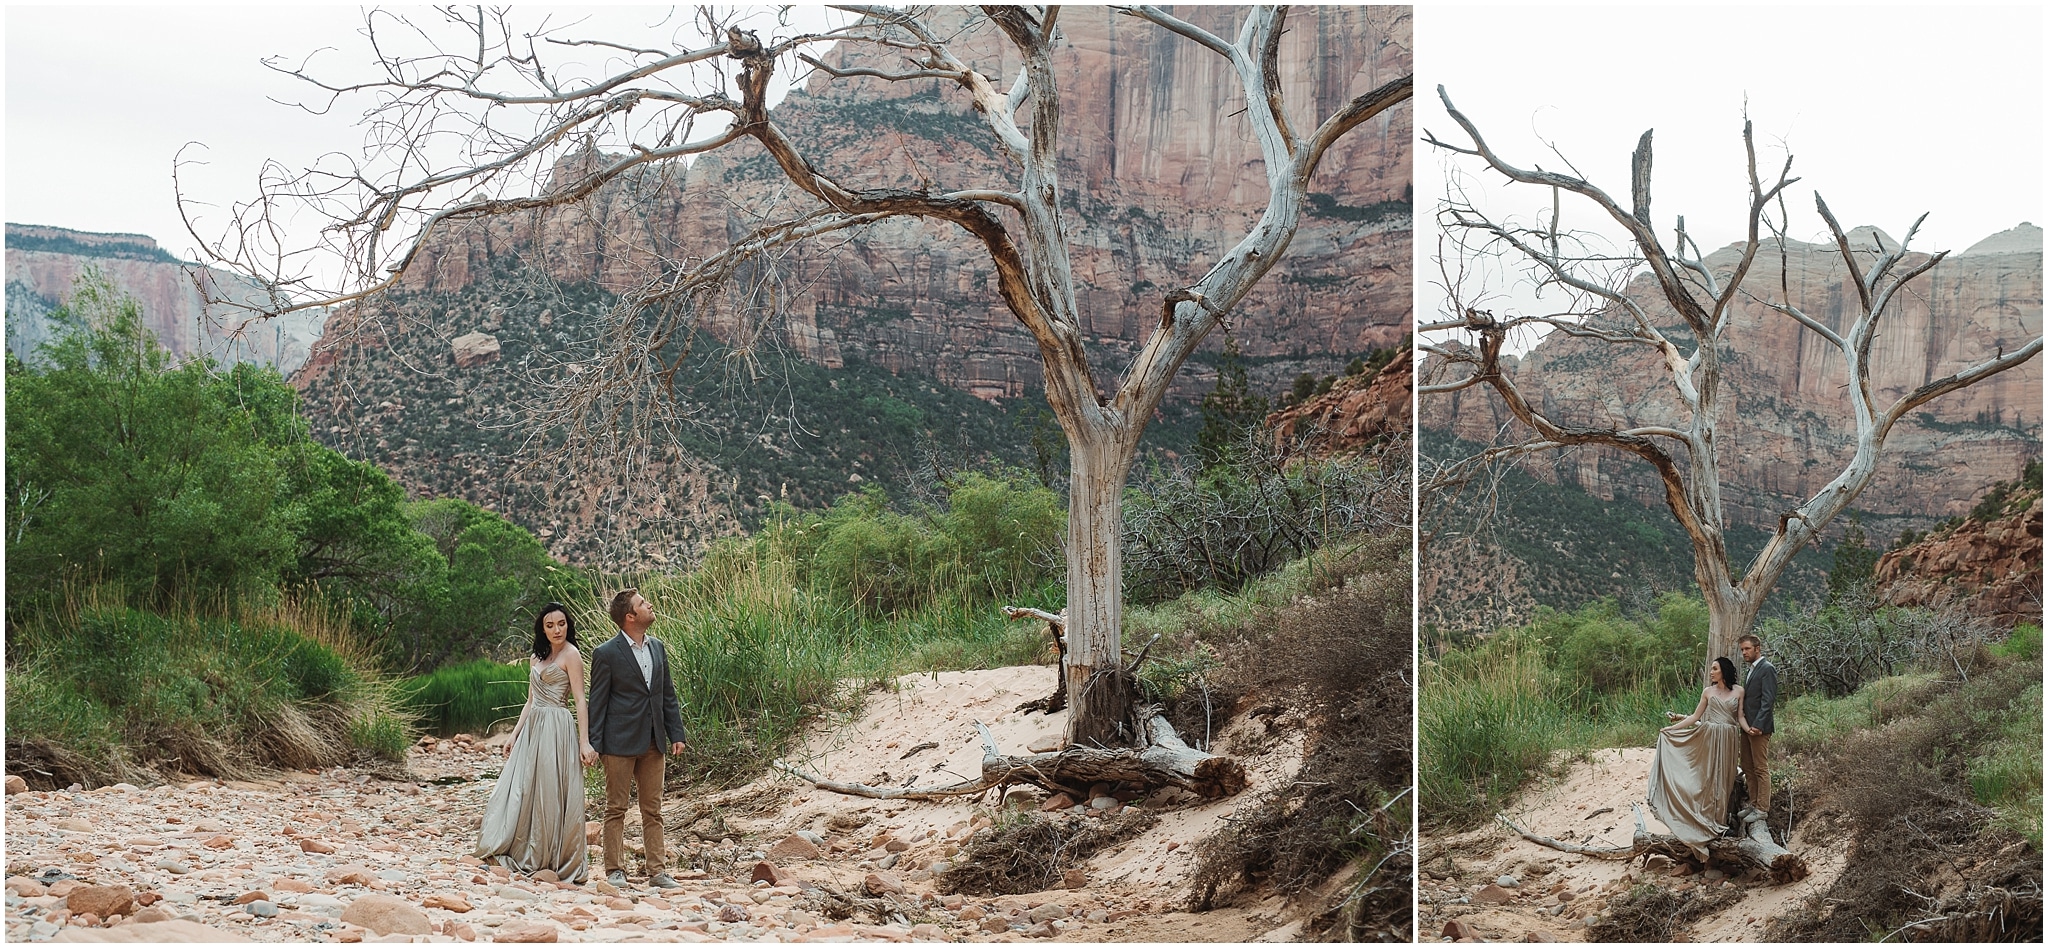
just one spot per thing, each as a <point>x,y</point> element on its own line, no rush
<point>1357,410</point>
<point>1990,567</point>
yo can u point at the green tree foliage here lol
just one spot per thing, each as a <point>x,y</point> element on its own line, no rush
<point>124,469</point>
<point>992,537</point>
<point>186,482</point>
<point>1229,409</point>
<point>1304,387</point>
<point>480,596</point>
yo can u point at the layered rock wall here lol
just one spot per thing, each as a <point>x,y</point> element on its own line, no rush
<point>38,279</point>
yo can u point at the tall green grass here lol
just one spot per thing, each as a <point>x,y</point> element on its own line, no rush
<point>99,690</point>
<point>470,697</point>
<point>1495,715</point>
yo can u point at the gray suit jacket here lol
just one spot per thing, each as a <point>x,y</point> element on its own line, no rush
<point>626,716</point>
<point>1760,694</point>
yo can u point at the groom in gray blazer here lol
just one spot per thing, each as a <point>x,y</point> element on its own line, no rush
<point>1759,703</point>
<point>634,717</point>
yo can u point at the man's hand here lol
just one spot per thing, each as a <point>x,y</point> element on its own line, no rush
<point>589,755</point>
<point>675,748</point>
<point>1672,715</point>
<point>1755,731</point>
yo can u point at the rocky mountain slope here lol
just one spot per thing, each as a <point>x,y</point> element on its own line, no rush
<point>1357,411</point>
<point>1786,430</point>
<point>1160,182</point>
<point>1990,562</point>
<point>43,264</point>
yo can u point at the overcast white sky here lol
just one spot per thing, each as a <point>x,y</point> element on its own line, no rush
<point>100,100</point>
<point>1888,111</point>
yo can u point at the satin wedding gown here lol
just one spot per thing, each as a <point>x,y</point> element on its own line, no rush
<point>1693,773</point>
<point>535,818</point>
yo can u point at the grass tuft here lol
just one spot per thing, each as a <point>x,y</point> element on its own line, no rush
<point>100,691</point>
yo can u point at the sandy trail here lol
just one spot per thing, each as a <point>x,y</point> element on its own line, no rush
<point>202,847</point>
<point>1555,894</point>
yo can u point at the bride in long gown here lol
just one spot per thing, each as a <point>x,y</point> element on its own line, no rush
<point>535,818</point>
<point>1694,770</point>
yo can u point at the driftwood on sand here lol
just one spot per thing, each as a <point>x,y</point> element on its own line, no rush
<point>1157,759</point>
<point>1753,850</point>
<point>1165,762</point>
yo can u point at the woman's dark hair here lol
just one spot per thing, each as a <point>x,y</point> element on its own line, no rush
<point>542,648</point>
<point>1728,679</point>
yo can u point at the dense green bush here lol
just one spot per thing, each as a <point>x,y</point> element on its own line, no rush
<point>479,595</point>
<point>129,472</point>
<point>992,536</point>
<point>170,483</point>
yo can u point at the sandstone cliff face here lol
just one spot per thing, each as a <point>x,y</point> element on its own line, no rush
<point>1161,181</point>
<point>1786,429</point>
<point>1357,411</point>
<point>38,279</point>
<point>1991,567</point>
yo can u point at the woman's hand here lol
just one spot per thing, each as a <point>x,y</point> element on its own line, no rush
<point>589,754</point>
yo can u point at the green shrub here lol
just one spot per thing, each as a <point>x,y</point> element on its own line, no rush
<point>1487,722</point>
<point>1495,714</point>
<point>2005,774</point>
<point>131,472</point>
<point>2024,644</point>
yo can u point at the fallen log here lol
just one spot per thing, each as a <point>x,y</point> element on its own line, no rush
<point>1753,850</point>
<point>1166,762</point>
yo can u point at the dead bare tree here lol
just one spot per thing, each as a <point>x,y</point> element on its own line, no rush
<point>533,151</point>
<point>1685,452</point>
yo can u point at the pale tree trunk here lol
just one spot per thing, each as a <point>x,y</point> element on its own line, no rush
<point>1730,615</point>
<point>1098,693</point>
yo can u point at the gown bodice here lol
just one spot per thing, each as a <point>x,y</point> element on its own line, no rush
<point>1720,710</point>
<point>549,685</point>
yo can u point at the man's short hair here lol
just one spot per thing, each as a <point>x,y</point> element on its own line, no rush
<point>1751,639</point>
<point>622,605</point>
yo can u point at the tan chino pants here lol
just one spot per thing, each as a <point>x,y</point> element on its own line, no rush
<point>1756,769</point>
<point>620,774</point>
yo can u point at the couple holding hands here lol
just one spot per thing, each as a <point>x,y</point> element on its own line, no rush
<point>631,720</point>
